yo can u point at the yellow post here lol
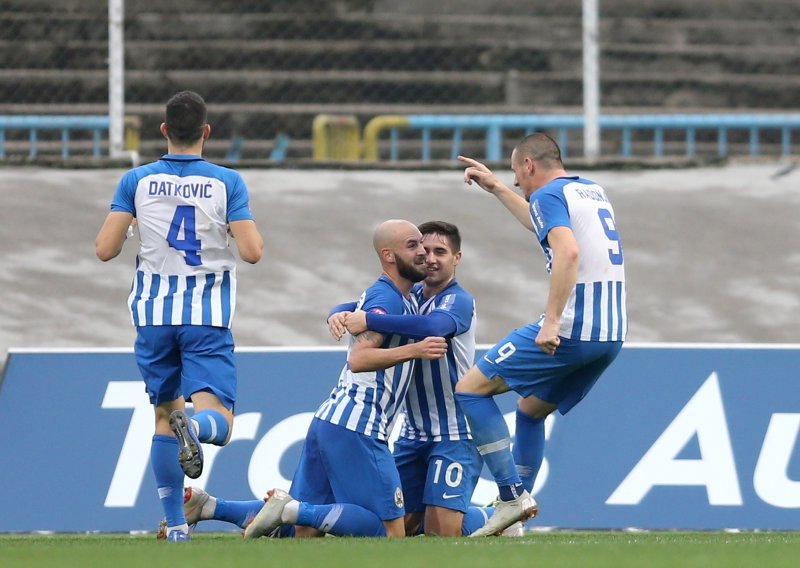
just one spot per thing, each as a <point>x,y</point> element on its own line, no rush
<point>336,137</point>
<point>133,127</point>
<point>372,132</point>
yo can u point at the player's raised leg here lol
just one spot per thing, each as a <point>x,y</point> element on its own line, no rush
<point>209,378</point>
<point>491,436</point>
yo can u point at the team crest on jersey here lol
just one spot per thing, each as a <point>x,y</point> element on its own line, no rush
<point>398,497</point>
<point>377,311</point>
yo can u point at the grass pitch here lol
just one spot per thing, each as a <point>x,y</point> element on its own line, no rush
<point>613,549</point>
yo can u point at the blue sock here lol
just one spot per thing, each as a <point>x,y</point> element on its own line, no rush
<point>212,427</point>
<point>341,519</point>
<point>286,531</point>
<point>528,448</point>
<point>475,518</point>
<point>237,512</point>
<point>490,434</point>
<point>169,477</point>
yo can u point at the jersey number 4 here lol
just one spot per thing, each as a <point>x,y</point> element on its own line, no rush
<point>189,244</point>
<point>607,220</point>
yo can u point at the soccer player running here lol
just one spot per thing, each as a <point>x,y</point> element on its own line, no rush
<point>346,482</point>
<point>438,463</point>
<point>554,362</point>
<point>184,293</point>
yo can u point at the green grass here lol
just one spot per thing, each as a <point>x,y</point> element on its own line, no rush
<point>546,550</point>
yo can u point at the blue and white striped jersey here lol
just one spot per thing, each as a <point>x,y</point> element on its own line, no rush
<point>368,402</point>
<point>595,310</point>
<point>185,272</point>
<point>431,412</point>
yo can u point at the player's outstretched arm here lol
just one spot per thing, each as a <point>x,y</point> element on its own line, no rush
<point>112,235</point>
<point>248,240</point>
<point>367,354</point>
<point>486,180</point>
<point>416,326</point>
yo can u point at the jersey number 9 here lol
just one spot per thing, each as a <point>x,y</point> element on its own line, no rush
<point>610,228</point>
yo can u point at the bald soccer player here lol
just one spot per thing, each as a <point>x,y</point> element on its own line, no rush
<point>346,482</point>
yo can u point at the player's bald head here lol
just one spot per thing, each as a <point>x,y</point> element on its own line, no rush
<point>390,232</point>
<point>540,148</point>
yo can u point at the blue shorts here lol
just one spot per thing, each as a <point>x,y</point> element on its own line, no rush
<point>443,474</point>
<point>338,465</point>
<point>179,360</point>
<point>562,379</point>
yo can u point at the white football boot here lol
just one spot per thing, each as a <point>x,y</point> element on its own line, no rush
<point>268,518</point>
<point>506,513</point>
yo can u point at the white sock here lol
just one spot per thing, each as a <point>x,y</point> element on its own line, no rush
<point>290,512</point>
<point>184,528</point>
<point>209,508</point>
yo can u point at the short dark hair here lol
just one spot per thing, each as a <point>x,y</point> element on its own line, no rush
<point>186,117</point>
<point>444,229</point>
<point>540,148</point>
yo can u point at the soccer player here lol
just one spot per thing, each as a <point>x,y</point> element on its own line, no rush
<point>184,293</point>
<point>438,464</point>
<point>554,362</point>
<point>346,481</point>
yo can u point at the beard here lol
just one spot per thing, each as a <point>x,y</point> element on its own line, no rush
<point>409,271</point>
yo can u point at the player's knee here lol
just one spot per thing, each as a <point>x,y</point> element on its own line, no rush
<point>395,528</point>
<point>467,384</point>
<point>443,531</point>
<point>475,382</point>
<point>535,408</point>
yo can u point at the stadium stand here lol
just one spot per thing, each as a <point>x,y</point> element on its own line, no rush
<point>267,68</point>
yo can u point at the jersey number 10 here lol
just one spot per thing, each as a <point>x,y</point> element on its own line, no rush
<point>189,244</point>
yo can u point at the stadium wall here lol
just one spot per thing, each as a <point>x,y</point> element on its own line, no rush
<point>674,436</point>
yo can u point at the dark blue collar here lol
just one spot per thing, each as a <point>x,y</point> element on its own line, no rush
<point>182,157</point>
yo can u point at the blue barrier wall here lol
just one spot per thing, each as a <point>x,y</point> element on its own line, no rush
<point>671,437</point>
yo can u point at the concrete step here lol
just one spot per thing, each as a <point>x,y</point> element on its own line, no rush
<point>401,55</point>
<point>725,28</point>
<point>652,88</point>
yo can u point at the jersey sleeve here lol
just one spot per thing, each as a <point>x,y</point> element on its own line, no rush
<point>549,210</point>
<point>460,307</point>
<point>238,200</point>
<point>125,195</point>
<point>344,307</point>
<point>382,300</point>
<point>416,326</point>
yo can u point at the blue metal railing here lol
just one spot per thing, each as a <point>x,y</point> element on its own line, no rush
<point>494,125</point>
<point>33,124</point>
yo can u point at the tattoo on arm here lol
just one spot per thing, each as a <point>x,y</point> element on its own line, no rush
<point>366,336</point>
